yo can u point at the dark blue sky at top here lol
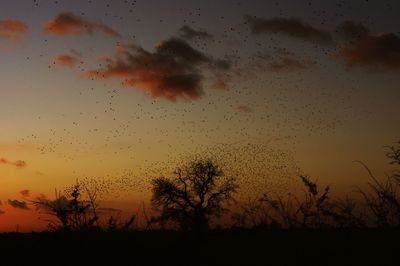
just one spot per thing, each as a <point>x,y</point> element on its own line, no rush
<point>160,17</point>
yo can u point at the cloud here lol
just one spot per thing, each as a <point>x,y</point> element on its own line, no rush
<point>282,60</point>
<point>350,30</point>
<point>173,71</point>
<point>12,29</point>
<point>286,64</point>
<point>290,27</point>
<point>68,23</point>
<point>18,204</point>
<point>189,33</point>
<point>220,82</point>
<point>66,60</point>
<point>380,51</point>
<point>18,163</point>
<point>25,193</point>
<point>244,109</point>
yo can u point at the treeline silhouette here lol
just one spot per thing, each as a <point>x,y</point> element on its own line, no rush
<point>199,192</point>
<point>181,227</point>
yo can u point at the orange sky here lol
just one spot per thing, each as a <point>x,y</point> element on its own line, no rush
<point>124,91</point>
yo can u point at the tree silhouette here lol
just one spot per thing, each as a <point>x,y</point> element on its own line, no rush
<point>196,193</point>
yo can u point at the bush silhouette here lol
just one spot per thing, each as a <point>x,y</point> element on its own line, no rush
<point>312,209</point>
<point>72,213</point>
<point>77,210</point>
<point>383,198</point>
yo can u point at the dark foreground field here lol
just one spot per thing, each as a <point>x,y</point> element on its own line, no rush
<point>294,247</point>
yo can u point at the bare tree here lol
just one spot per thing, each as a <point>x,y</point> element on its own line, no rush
<point>196,193</point>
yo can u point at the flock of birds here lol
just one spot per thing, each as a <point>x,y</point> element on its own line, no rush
<point>251,126</point>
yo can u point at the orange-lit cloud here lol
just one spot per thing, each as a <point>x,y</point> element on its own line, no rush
<point>12,29</point>
<point>244,109</point>
<point>66,60</point>
<point>172,71</point>
<point>291,27</point>
<point>220,83</point>
<point>381,51</point>
<point>18,163</point>
<point>68,23</point>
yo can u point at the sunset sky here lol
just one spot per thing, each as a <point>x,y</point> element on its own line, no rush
<point>117,90</point>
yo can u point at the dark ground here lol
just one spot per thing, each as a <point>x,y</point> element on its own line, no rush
<point>290,247</point>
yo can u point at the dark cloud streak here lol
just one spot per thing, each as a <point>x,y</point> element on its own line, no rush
<point>18,163</point>
<point>286,64</point>
<point>350,30</point>
<point>291,27</point>
<point>18,204</point>
<point>189,33</point>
